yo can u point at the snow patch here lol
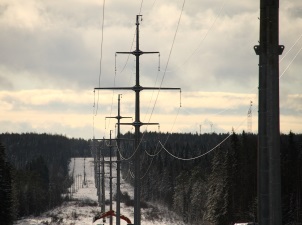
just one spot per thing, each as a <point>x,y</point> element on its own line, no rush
<point>83,207</point>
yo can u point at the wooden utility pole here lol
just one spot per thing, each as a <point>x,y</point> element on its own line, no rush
<point>269,178</point>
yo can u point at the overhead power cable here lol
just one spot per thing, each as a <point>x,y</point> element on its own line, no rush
<point>151,98</point>
<point>290,63</point>
<point>140,10</point>
<point>101,57</point>
<point>167,136</point>
<point>290,48</point>
<point>152,155</point>
<point>123,157</point>
<point>255,88</point>
<point>147,169</point>
<point>170,53</point>
<point>207,32</point>
<point>132,174</point>
<point>206,153</point>
<point>153,3</point>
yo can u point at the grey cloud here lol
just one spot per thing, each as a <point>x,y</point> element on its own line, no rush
<point>13,127</point>
<point>63,51</point>
<point>3,8</point>
<point>53,106</point>
<point>60,55</point>
<point>5,84</point>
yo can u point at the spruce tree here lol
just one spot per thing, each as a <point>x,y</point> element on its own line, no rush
<point>216,190</point>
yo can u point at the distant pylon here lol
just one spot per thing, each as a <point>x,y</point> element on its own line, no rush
<point>249,119</point>
<point>137,88</point>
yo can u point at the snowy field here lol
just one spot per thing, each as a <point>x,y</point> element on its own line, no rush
<point>81,210</point>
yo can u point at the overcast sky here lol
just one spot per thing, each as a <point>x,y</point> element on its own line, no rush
<point>53,54</point>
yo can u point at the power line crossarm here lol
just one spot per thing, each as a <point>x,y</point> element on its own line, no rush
<point>137,53</point>
<point>136,88</point>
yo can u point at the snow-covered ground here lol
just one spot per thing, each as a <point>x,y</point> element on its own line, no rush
<point>83,208</point>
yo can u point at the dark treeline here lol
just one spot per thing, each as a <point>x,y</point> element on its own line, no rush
<point>34,172</point>
<point>217,188</point>
<point>220,187</point>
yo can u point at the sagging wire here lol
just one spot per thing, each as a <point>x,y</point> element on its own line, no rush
<point>122,70</point>
<point>119,151</point>
<point>151,154</point>
<point>174,38</point>
<point>133,176</point>
<point>206,153</point>
<point>169,57</point>
<point>166,138</point>
<point>170,130</point>
<point>172,124</point>
<point>101,57</point>
<point>129,158</point>
<point>192,158</point>
<point>147,169</point>
<point>114,84</point>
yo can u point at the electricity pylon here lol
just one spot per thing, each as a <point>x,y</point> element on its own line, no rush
<point>110,176</point>
<point>269,175</point>
<point>84,182</point>
<point>118,161</point>
<point>99,171</point>
<point>137,88</point>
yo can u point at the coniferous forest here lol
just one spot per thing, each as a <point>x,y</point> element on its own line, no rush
<point>34,172</point>
<point>219,187</point>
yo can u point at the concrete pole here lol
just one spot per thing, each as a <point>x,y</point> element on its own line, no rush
<point>269,178</point>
